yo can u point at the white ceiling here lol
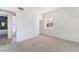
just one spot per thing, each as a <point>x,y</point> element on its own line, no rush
<point>41,10</point>
<point>45,9</point>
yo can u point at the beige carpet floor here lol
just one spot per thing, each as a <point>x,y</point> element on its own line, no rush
<point>42,43</point>
<point>4,40</point>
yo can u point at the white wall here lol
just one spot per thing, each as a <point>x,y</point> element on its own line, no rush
<point>27,26</point>
<point>9,26</point>
<point>66,24</point>
<point>14,24</point>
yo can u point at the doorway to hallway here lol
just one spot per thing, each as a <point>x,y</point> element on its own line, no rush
<point>4,30</point>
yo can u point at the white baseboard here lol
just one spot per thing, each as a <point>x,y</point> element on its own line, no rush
<point>60,37</point>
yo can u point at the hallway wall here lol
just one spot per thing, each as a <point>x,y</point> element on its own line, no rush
<point>66,23</point>
<point>27,24</point>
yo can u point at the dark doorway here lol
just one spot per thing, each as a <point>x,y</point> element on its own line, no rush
<point>4,30</point>
<point>3,23</point>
